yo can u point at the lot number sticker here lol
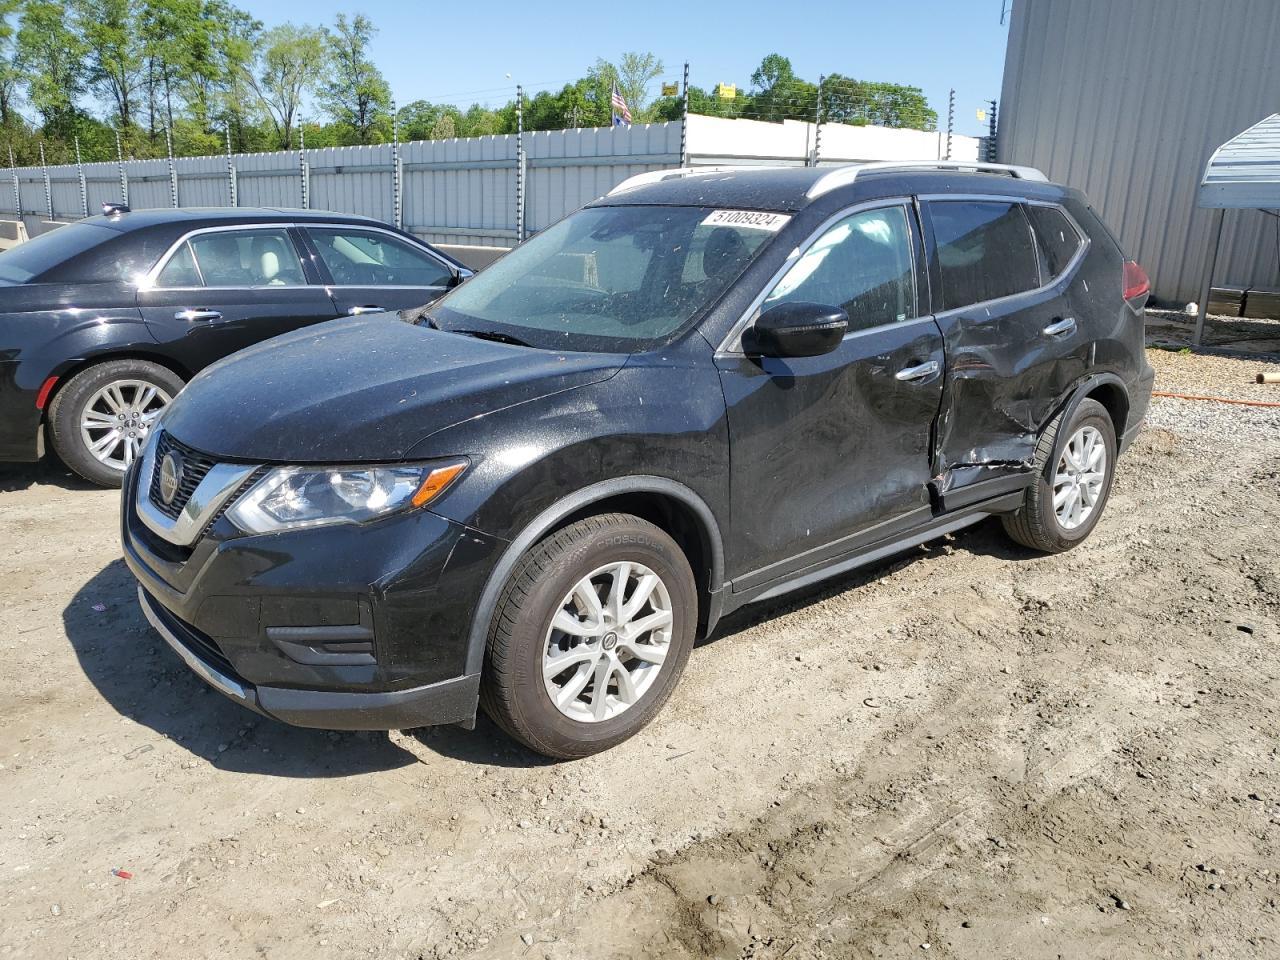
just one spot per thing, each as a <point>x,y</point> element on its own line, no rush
<point>747,219</point>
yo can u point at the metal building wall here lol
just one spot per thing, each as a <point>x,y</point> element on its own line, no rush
<point>1126,99</point>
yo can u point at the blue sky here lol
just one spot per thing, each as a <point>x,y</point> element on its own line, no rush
<point>462,53</point>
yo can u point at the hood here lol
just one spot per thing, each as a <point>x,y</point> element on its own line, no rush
<point>362,390</point>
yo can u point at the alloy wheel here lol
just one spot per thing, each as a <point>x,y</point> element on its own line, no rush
<point>607,642</point>
<point>117,418</point>
<point>1079,478</point>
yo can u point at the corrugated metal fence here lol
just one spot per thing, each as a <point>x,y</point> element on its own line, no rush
<point>454,191</point>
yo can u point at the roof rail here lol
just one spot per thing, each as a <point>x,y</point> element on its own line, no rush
<point>657,176</point>
<point>843,176</point>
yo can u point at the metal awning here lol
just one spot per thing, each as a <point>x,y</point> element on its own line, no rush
<point>1244,173</point>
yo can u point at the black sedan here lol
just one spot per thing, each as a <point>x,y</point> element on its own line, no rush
<point>103,321</point>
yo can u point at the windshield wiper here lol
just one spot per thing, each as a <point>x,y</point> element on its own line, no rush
<point>495,336</point>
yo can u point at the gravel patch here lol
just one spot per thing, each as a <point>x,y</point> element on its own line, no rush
<point>1216,376</point>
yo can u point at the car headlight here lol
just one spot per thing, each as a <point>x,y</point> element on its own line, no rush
<point>291,497</point>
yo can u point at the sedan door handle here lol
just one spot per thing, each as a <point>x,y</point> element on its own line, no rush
<point>369,308</point>
<point>1061,327</point>
<point>920,372</point>
<point>192,314</point>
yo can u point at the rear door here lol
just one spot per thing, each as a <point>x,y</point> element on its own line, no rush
<point>369,270</point>
<point>224,289</point>
<point>1013,342</point>
<point>830,453</point>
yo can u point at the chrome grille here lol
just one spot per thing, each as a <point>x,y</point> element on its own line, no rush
<point>194,467</point>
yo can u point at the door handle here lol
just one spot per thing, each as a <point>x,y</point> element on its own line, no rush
<point>1061,327</point>
<point>369,308</point>
<point>920,372</point>
<point>192,314</point>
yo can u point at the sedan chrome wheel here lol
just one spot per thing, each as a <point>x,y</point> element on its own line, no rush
<point>607,642</point>
<point>117,419</point>
<point>1079,479</point>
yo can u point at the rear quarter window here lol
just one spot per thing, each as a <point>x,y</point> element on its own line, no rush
<point>1058,238</point>
<point>50,251</point>
<point>985,250</point>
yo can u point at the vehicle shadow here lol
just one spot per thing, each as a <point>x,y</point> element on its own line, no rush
<point>142,679</point>
<point>48,472</point>
<point>986,539</point>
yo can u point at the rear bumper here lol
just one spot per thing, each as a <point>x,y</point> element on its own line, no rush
<point>1139,403</point>
<point>449,701</point>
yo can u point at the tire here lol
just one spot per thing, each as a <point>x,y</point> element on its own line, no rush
<point>84,395</point>
<point>1038,523</point>
<point>544,587</point>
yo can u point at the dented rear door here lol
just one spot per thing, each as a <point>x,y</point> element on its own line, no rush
<point>1014,344</point>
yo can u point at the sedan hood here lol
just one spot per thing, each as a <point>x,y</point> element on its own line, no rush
<point>363,390</point>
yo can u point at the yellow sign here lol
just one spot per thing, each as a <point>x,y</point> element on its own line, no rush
<point>670,89</point>
<point>982,115</point>
<point>727,91</point>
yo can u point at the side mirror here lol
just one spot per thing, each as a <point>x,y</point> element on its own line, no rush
<point>798,329</point>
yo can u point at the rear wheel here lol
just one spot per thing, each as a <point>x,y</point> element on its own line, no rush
<point>1075,461</point>
<point>590,636</point>
<point>100,419</point>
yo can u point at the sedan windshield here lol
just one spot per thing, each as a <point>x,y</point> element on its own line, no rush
<point>616,279</point>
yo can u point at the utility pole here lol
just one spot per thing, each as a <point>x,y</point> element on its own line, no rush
<point>173,168</point>
<point>817,123</point>
<point>233,188</point>
<point>48,187</point>
<point>304,173</point>
<point>520,164</point>
<point>84,187</point>
<point>684,118</point>
<point>397,171</point>
<point>951,119</point>
<point>124,177</point>
<point>992,144</point>
<point>17,191</point>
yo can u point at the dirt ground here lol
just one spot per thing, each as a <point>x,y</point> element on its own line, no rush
<point>969,752</point>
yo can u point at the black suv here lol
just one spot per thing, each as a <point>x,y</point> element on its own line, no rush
<point>707,388</point>
<point>103,320</point>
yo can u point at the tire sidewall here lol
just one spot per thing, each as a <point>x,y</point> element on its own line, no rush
<point>68,406</point>
<point>637,542</point>
<point>1088,413</point>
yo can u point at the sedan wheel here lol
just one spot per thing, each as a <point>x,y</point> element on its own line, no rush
<point>115,422</point>
<point>100,418</point>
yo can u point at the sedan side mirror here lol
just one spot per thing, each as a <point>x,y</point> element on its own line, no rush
<point>798,329</point>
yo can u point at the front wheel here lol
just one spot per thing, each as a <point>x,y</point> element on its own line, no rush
<point>100,419</point>
<point>590,636</point>
<point>1074,463</point>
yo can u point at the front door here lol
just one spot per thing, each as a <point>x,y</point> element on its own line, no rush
<point>224,290</point>
<point>373,270</point>
<point>831,453</point>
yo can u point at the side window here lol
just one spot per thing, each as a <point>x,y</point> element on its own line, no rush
<point>359,258</point>
<point>985,249</point>
<point>180,271</point>
<point>1058,238</point>
<point>246,258</point>
<point>862,264</point>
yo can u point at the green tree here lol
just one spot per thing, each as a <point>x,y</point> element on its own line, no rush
<point>290,60</point>
<point>9,73</point>
<point>355,92</point>
<point>51,55</point>
<point>778,94</point>
<point>845,100</point>
<point>114,65</point>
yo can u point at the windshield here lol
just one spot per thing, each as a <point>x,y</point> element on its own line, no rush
<point>41,254</point>
<point>615,279</point>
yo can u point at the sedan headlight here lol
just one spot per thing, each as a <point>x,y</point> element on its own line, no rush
<point>291,497</point>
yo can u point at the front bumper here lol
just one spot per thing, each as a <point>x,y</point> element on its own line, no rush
<point>449,701</point>
<point>351,627</point>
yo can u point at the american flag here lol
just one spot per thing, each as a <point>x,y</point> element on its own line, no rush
<point>621,113</point>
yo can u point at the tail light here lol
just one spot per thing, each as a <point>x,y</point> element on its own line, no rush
<point>1136,282</point>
